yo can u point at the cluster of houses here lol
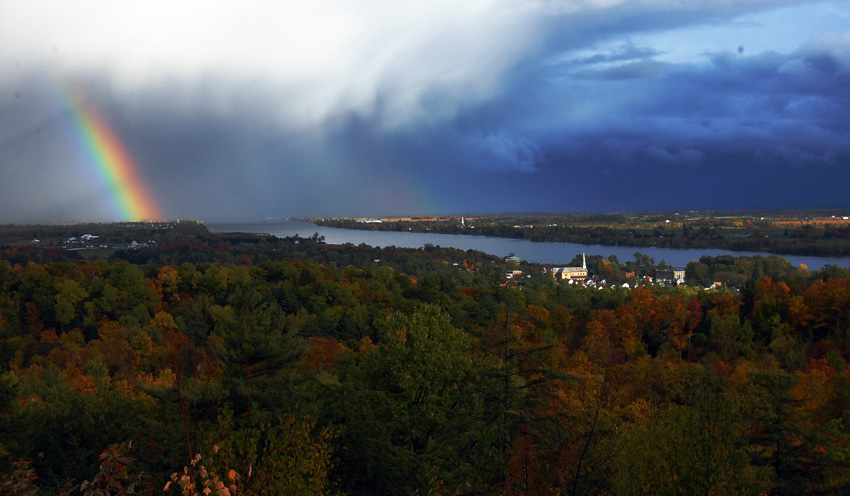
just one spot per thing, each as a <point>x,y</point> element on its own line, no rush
<point>580,275</point>
<point>670,276</point>
<point>87,241</point>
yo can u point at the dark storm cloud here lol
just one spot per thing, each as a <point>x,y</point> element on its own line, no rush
<point>731,103</point>
<point>572,106</point>
<point>684,157</point>
<point>769,114</point>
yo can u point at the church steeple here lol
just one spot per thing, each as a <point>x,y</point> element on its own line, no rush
<point>583,261</point>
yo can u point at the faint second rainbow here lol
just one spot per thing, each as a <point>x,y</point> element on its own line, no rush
<point>113,165</point>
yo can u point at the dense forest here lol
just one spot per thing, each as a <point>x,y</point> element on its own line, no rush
<point>240,364</point>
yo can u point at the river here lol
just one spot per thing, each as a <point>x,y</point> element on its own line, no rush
<point>546,253</point>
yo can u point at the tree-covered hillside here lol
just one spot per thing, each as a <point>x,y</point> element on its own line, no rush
<point>258,365</point>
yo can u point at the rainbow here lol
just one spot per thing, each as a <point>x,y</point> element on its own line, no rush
<point>113,165</point>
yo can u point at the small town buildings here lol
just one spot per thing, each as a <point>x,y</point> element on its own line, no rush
<point>670,276</point>
<point>663,276</point>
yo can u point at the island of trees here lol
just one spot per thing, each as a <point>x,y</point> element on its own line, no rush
<point>251,364</point>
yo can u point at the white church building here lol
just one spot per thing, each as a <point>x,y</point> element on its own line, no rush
<point>572,274</point>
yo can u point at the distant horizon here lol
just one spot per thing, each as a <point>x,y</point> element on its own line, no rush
<point>825,210</point>
<point>726,210</point>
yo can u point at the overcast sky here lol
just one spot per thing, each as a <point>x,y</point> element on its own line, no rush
<point>239,110</point>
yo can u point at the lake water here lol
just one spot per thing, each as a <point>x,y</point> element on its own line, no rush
<point>547,253</point>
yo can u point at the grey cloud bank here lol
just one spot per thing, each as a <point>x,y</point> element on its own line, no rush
<point>374,108</point>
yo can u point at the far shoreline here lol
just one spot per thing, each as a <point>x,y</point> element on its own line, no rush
<point>547,253</point>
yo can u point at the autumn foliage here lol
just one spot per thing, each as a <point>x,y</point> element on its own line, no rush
<point>304,368</point>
